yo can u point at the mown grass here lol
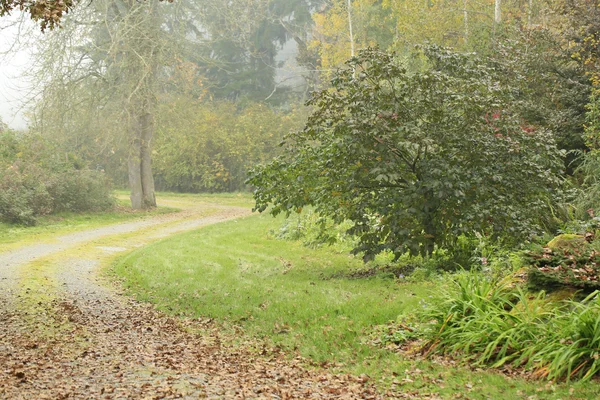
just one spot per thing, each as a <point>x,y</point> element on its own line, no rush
<point>299,299</point>
<point>237,199</point>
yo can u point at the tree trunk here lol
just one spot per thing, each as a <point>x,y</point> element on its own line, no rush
<point>141,181</point>
<point>497,12</point>
<point>466,20</point>
<point>142,66</point>
<point>430,237</point>
<point>135,172</point>
<point>147,130</point>
<point>352,52</point>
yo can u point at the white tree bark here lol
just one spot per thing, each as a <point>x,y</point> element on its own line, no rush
<point>352,52</point>
<point>466,20</point>
<point>497,12</point>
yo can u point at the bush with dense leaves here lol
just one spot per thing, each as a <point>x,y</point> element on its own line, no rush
<point>415,159</point>
<point>80,190</point>
<point>35,182</point>
<point>23,195</point>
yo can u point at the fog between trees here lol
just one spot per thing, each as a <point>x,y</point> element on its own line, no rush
<point>189,95</point>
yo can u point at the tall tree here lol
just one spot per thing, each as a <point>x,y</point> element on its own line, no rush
<point>101,70</point>
<point>140,53</point>
<point>105,72</point>
<point>342,27</point>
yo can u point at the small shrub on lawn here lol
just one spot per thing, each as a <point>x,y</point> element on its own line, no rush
<point>80,190</point>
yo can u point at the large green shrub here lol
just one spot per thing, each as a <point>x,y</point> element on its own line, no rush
<point>415,159</point>
<point>23,194</point>
<point>80,190</point>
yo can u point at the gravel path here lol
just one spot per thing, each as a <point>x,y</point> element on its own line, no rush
<point>186,220</point>
<point>83,340</point>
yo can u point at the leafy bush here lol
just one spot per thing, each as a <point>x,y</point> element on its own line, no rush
<point>34,182</point>
<point>576,263</point>
<point>23,195</point>
<point>414,159</point>
<point>80,190</point>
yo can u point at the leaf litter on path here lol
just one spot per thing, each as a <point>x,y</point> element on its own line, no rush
<point>89,342</point>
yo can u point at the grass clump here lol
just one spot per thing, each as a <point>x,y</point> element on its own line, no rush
<point>493,323</point>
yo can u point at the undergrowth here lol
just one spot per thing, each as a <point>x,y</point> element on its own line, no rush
<point>498,324</point>
<point>473,251</point>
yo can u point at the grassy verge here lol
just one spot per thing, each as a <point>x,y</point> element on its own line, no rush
<point>237,199</point>
<point>299,299</point>
<point>51,226</point>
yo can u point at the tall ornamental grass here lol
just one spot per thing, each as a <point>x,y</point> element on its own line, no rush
<point>497,324</point>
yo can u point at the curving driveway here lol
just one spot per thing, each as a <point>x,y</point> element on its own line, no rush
<point>66,333</point>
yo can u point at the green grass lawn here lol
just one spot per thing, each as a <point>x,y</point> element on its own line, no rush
<point>299,299</point>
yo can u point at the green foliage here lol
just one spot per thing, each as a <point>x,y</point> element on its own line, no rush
<point>497,324</point>
<point>209,147</point>
<point>34,181</point>
<point>415,160</point>
<point>551,89</point>
<point>572,347</point>
<point>80,190</point>
<point>472,317</point>
<point>23,195</point>
<point>315,230</point>
<point>472,251</point>
<point>580,29</point>
<point>589,194</point>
